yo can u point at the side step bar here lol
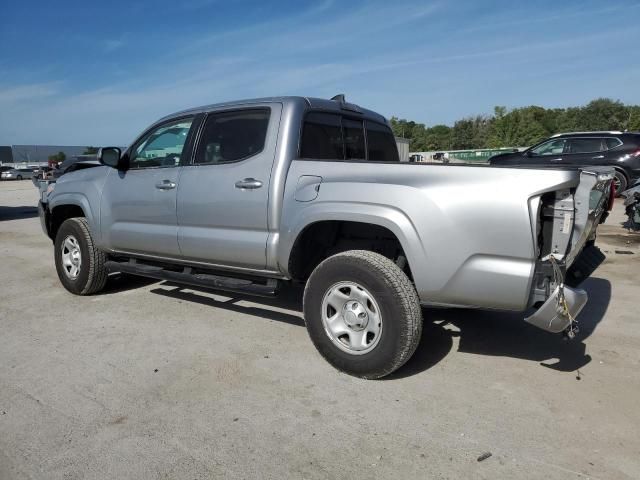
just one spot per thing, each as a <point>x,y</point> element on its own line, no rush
<point>204,280</point>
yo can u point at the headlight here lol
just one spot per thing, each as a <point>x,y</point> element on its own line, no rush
<point>50,188</point>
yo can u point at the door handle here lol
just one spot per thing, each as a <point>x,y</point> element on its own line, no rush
<point>165,185</point>
<point>597,157</point>
<point>556,159</point>
<point>250,183</point>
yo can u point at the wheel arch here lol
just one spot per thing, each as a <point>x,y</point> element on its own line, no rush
<point>383,226</point>
<point>67,206</point>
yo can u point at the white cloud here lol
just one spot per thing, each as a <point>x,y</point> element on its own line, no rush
<point>300,54</point>
<point>112,45</point>
<point>22,93</point>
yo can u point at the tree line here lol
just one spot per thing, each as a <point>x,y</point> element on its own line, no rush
<point>519,127</point>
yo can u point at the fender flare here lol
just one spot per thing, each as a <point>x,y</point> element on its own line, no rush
<point>393,219</point>
<point>78,200</point>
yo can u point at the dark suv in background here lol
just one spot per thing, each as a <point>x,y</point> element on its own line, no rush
<point>620,150</point>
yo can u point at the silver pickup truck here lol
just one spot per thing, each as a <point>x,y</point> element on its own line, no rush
<point>243,196</point>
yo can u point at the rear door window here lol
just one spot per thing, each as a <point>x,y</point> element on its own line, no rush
<point>613,143</point>
<point>381,144</point>
<point>232,136</point>
<point>587,145</point>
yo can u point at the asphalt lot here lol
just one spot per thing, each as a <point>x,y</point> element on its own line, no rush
<point>150,380</point>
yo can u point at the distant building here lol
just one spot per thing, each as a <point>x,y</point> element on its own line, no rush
<point>23,155</point>
<point>6,155</point>
<point>478,155</point>
<point>403,148</point>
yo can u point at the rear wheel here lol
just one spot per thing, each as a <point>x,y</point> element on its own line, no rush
<point>80,265</point>
<point>19,177</point>
<point>362,313</point>
<point>620,182</point>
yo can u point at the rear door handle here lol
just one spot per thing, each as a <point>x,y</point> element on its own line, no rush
<point>556,159</point>
<point>250,183</point>
<point>165,185</point>
<point>597,157</point>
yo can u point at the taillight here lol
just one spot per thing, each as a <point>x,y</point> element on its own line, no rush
<point>612,196</point>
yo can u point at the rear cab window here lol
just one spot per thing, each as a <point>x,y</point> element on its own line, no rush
<point>381,143</point>
<point>332,136</point>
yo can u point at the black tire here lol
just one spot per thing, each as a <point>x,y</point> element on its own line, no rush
<point>621,181</point>
<point>397,300</point>
<point>92,275</point>
<point>19,177</point>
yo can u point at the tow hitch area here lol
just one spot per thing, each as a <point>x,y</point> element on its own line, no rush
<point>559,312</point>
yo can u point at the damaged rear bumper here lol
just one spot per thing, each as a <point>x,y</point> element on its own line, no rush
<point>560,310</point>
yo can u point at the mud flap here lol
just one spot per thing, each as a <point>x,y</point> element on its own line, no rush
<point>553,316</point>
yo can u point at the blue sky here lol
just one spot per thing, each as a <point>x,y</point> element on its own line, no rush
<point>79,72</point>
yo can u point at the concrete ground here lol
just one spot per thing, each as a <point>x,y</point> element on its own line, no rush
<point>149,380</point>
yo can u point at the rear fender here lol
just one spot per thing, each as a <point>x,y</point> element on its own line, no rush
<point>390,218</point>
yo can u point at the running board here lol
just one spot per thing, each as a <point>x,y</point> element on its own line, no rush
<point>204,280</point>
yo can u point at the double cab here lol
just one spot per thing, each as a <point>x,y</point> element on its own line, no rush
<point>247,196</point>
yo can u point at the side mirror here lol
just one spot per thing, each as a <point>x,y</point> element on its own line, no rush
<point>529,153</point>
<point>109,156</point>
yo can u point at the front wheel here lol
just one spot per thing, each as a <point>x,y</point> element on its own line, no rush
<point>80,265</point>
<point>362,313</point>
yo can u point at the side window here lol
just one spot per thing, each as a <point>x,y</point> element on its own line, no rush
<point>322,137</point>
<point>232,136</point>
<point>162,147</point>
<point>587,145</point>
<point>353,139</point>
<point>613,142</point>
<point>552,147</point>
<point>381,144</point>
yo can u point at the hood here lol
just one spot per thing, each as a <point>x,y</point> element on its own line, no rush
<point>503,158</point>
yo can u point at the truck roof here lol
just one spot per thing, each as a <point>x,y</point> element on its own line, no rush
<point>337,104</point>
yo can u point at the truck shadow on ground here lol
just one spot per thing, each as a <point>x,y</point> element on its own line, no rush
<point>477,331</point>
<point>17,213</point>
<point>506,334</point>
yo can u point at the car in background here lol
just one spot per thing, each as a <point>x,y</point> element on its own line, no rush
<point>72,165</point>
<point>5,168</point>
<point>40,172</point>
<point>620,150</point>
<point>17,174</point>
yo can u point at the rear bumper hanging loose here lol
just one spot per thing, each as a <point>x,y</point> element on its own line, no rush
<point>558,313</point>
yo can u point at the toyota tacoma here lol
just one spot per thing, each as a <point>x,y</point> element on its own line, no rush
<point>243,196</point>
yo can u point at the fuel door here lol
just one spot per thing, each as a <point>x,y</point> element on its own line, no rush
<point>308,188</point>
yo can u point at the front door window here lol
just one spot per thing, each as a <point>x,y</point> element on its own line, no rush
<point>552,147</point>
<point>162,147</point>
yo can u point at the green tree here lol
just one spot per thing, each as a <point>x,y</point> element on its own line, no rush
<point>603,114</point>
<point>57,158</point>
<point>437,137</point>
<point>471,132</point>
<point>634,119</point>
<point>518,127</point>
